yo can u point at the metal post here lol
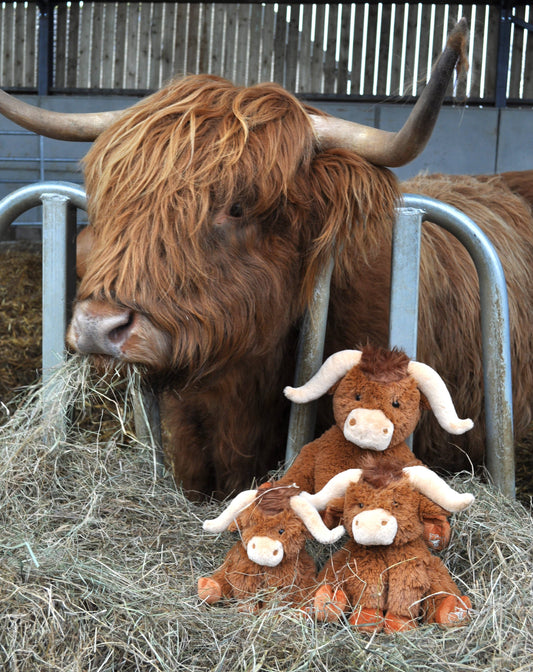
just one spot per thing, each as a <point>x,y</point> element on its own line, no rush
<point>502,65</point>
<point>59,275</point>
<point>310,353</point>
<point>405,270</point>
<point>147,420</point>
<point>46,36</point>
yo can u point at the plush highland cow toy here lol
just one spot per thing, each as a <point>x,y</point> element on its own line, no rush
<point>385,574</point>
<point>270,561</point>
<point>378,395</point>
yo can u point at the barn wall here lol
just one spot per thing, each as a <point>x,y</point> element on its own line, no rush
<point>465,140</point>
<point>372,50</point>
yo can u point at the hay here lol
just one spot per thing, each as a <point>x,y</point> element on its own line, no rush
<point>20,316</point>
<point>100,557</point>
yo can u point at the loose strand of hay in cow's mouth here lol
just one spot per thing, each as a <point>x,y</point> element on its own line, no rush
<point>99,563</point>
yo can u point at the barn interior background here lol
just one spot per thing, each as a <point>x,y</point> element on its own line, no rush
<point>94,575</point>
<point>365,61</point>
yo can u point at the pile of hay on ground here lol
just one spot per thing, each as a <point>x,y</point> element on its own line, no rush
<point>100,557</point>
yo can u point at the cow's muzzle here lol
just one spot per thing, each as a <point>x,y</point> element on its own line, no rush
<point>97,328</point>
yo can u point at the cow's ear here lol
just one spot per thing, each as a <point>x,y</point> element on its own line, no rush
<point>350,199</point>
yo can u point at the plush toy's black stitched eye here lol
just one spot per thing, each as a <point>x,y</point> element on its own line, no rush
<point>361,505</point>
<point>357,397</point>
<point>281,531</point>
<point>236,210</point>
<point>396,404</point>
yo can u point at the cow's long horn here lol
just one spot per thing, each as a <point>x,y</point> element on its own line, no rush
<point>436,392</point>
<point>433,487</point>
<point>335,487</point>
<point>83,126</point>
<point>237,504</point>
<point>385,148</point>
<point>314,523</point>
<point>331,371</point>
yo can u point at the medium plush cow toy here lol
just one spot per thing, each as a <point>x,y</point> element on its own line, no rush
<point>385,574</point>
<point>378,395</point>
<point>270,561</point>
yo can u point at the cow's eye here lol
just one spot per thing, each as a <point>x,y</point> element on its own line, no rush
<point>396,404</point>
<point>236,210</point>
<point>281,531</point>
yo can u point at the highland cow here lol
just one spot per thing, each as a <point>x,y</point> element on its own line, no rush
<point>213,207</point>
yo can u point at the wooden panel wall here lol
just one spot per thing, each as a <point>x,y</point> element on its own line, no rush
<point>357,49</point>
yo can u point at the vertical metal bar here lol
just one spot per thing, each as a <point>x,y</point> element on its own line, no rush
<point>59,276</point>
<point>45,60</point>
<point>310,354</point>
<point>405,270</point>
<point>502,64</point>
<point>147,421</point>
<point>41,158</point>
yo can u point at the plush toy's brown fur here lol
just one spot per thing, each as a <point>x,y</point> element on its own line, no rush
<point>292,581</point>
<point>380,379</point>
<point>392,585</point>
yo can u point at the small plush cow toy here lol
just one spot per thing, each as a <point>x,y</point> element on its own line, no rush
<point>270,561</point>
<point>385,574</point>
<point>378,395</point>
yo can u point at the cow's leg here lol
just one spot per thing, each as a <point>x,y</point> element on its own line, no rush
<point>186,448</point>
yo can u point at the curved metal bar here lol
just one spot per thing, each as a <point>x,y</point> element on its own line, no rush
<point>494,328</point>
<point>25,198</point>
<point>495,331</point>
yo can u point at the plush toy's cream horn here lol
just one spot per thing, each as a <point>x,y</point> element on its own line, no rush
<point>428,381</point>
<point>302,508</point>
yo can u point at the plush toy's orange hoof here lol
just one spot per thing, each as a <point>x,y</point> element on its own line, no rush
<point>453,610</point>
<point>437,533</point>
<point>328,605</point>
<point>369,620</point>
<point>397,623</point>
<point>209,590</point>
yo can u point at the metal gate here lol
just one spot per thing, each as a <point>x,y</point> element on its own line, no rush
<point>61,199</point>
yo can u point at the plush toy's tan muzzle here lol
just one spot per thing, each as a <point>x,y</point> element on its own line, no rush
<point>265,551</point>
<point>368,428</point>
<point>374,528</point>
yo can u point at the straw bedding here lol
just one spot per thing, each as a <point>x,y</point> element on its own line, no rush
<point>100,556</point>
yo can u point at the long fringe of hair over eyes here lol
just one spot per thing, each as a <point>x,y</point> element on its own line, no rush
<point>194,147</point>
